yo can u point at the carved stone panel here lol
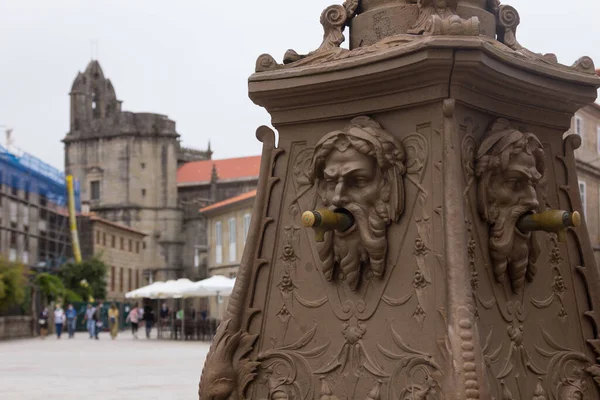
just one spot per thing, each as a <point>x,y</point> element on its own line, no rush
<point>375,308</point>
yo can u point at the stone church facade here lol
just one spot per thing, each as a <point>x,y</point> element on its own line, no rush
<point>127,165</point>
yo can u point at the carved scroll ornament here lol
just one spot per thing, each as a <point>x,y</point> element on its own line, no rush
<point>359,169</point>
<point>509,167</point>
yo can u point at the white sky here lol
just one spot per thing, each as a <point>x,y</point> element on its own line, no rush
<point>191,59</point>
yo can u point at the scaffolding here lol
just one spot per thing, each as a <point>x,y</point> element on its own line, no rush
<point>37,216</point>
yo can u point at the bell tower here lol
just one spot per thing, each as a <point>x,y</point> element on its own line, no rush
<point>94,104</point>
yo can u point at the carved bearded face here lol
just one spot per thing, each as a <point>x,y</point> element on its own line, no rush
<point>353,169</point>
<point>510,166</point>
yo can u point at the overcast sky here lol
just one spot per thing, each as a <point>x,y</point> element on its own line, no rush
<point>191,59</point>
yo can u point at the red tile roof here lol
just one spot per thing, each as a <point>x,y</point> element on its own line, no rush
<point>244,196</point>
<point>197,172</point>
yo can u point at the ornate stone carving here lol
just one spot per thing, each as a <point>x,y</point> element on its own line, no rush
<point>421,372</point>
<point>231,370</point>
<point>442,9</point>
<point>353,352</point>
<point>507,21</point>
<point>558,285</point>
<point>360,169</point>
<point>509,166</point>
<point>334,19</point>
<point>438,17</point>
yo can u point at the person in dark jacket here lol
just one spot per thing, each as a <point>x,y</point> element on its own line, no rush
<point>98,319</point>
<point>43,322</point>
<point>149,317</point>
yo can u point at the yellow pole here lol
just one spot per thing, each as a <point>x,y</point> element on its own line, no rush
<point>73,219</point>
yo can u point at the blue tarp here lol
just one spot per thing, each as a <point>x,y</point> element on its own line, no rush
<point>35,176</point>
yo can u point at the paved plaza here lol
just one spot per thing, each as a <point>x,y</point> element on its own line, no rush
<point>84,369</point>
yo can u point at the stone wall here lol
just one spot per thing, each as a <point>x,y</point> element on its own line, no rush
<point>15,327</point>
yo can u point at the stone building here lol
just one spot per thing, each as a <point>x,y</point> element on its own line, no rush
<point>34,226</point>
<point>586,123</point>
<point>127,165</point>
<point>202,183</point>
<point>227,225</point>
<point>119,247</point>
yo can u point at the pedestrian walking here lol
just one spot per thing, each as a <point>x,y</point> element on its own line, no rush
<point>89,320</point>
<point>134,318</point>
<point>149,318</point>
<point>98,320</point>
<point>71,315</point>
<point>59,320</point>
<point>113,321</point>
<point>43,322</point>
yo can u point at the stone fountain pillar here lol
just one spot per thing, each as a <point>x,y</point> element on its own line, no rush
<point>446,259</point>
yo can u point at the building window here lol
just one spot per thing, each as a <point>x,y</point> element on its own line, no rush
<point>95,190</point>
<point>130,279</point>
<point>112,278</point>
<point>246,226</point>
<point>14,187</point>
<point>25,216</point>
<point>103,239</point>
<point>583,196</point>
<point>579,125</point>
<point>137,279</point>
<point>122,243</point>
<point>26,191</point>
<point>130,245</point>
<point>143,192</point>
<point>196,258</point>
<point>97,237</point>
<point>218,243</point>
<point>113,241</point>
<point>121,280</point>
<point>13,211</point>
<point>25,257</point>
<point>232,245</point>
<point>137,247</point>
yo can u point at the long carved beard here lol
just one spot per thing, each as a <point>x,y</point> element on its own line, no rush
<point>365,245</point>
<point>513,251</point>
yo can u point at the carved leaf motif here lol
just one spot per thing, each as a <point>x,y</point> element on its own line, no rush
<point>397,302</point>
<point>594,371</point>
<point>303,341</point>
<point>543,303</point>
<point>316,352</point>
<point>309,303</point>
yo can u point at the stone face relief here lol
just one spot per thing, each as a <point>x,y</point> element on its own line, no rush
<point>360,169</point>
<point>509,167</point>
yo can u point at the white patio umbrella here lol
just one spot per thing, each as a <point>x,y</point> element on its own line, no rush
<point>173,289</point>
<point>145,291</point>
<point>217,285</point>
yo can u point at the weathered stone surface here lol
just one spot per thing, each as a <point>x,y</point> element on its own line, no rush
<point>445,296</point>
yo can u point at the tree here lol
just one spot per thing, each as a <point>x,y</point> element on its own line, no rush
<point>13,281</point>
<point>54,289</point>
<point>87,278</point>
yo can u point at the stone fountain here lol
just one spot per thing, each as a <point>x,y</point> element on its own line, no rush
<point>416,232</point>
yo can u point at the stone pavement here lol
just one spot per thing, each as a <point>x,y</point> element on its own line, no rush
<point>84,369</point>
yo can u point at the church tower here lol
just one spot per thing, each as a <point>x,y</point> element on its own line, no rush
<point>127,165</point>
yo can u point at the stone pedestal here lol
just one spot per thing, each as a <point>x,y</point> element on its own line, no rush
<point>439,147</point>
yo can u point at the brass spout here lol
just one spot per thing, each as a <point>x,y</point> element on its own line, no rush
<point>323,220</point>
<point>556,221</point>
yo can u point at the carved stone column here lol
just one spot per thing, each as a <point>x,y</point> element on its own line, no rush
<point>415,233</point>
